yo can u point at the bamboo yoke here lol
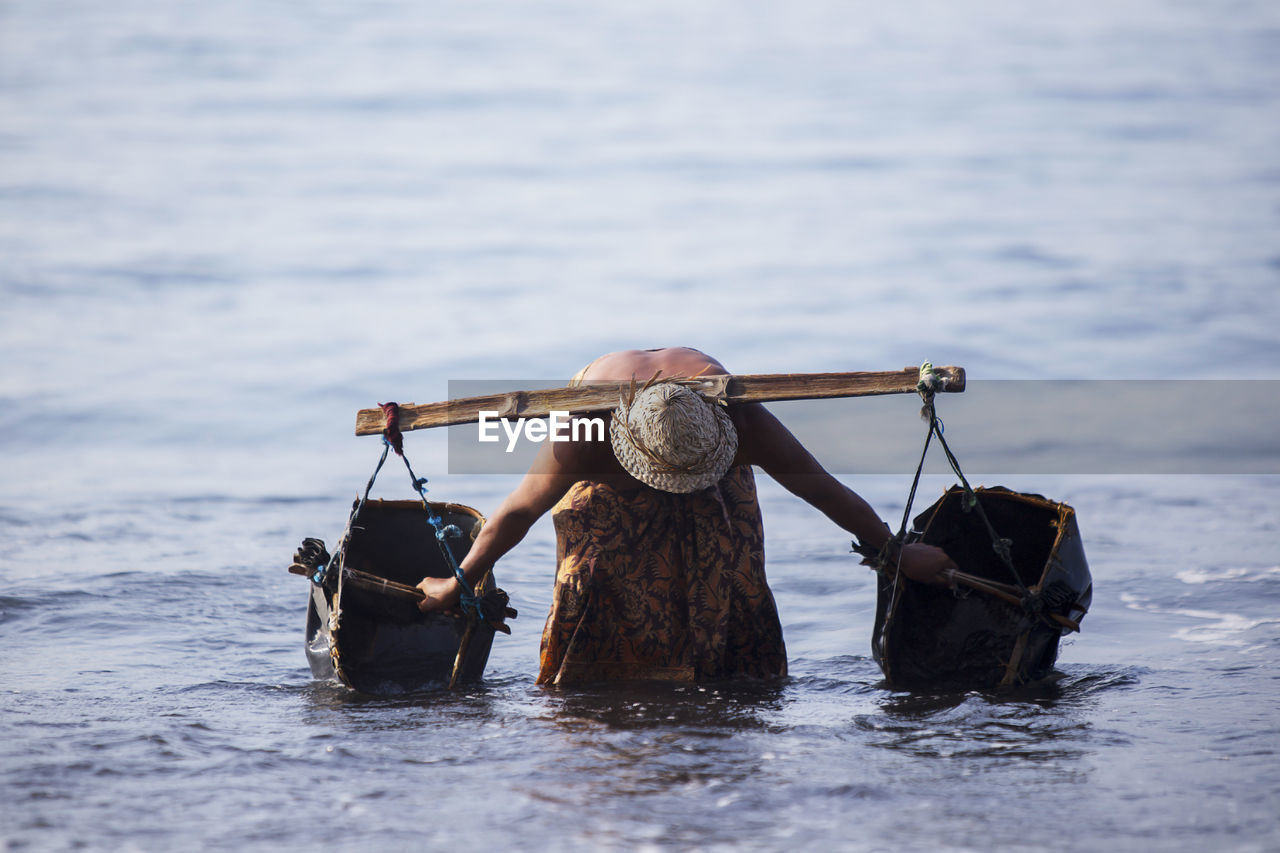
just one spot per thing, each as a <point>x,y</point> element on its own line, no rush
<point>603,396</point>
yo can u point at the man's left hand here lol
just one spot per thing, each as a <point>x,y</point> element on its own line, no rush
<point>927,564</point>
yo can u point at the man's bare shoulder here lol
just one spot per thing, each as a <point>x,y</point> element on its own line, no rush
<point>643,363</point>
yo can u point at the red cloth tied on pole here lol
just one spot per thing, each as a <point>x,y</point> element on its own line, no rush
<point>392,430</point>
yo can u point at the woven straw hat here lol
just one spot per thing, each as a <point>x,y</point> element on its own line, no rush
<point>668,437</point>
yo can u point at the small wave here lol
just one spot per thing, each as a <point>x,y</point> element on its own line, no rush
<point>1204,574</point>
<point>252,501</point>
<point>983,726</point>
<point>1079,680</point>
<point>1069,685</point>
<point>14,606</point>
<point>8,518</point>
<point>837,685</point>
<point>1225,629</point>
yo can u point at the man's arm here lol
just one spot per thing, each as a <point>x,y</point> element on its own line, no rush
<point>550,476</point>
<point>769,444</point>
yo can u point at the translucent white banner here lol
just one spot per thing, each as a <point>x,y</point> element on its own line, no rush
<point>994,427</point>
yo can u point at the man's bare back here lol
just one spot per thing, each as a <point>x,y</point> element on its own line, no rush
<point>642,364</point>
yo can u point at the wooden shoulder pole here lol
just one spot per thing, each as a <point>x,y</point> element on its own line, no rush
<point>603,396</point>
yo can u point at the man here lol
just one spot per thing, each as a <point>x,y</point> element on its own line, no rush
<point>659,539</point>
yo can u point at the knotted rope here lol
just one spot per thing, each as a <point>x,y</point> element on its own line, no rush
<point>468,602</point>
<point>927,386</point>
<point>323,567</point>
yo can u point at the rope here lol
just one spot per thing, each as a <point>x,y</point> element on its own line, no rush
<point>928,385</point>
<point>970,502</point>
<point>324,571</point>
<point>468,602</point>
<point>392,438</point>
<point>391,433</point>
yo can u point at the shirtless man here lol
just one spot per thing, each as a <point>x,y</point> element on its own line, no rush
<point>762,441</point>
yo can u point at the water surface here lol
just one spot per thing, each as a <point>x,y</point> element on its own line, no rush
<point>224,228</point>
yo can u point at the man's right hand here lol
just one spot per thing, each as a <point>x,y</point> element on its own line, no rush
<point>441,594</point>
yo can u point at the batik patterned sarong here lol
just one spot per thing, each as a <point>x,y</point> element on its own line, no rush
<point>654,585</point>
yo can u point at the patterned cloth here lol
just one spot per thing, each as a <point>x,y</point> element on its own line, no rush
<point>654,585</point>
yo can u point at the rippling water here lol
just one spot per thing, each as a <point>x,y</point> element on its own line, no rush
<point>226,227</point>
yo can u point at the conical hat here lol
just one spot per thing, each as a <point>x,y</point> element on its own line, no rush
<point>670,438</point>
